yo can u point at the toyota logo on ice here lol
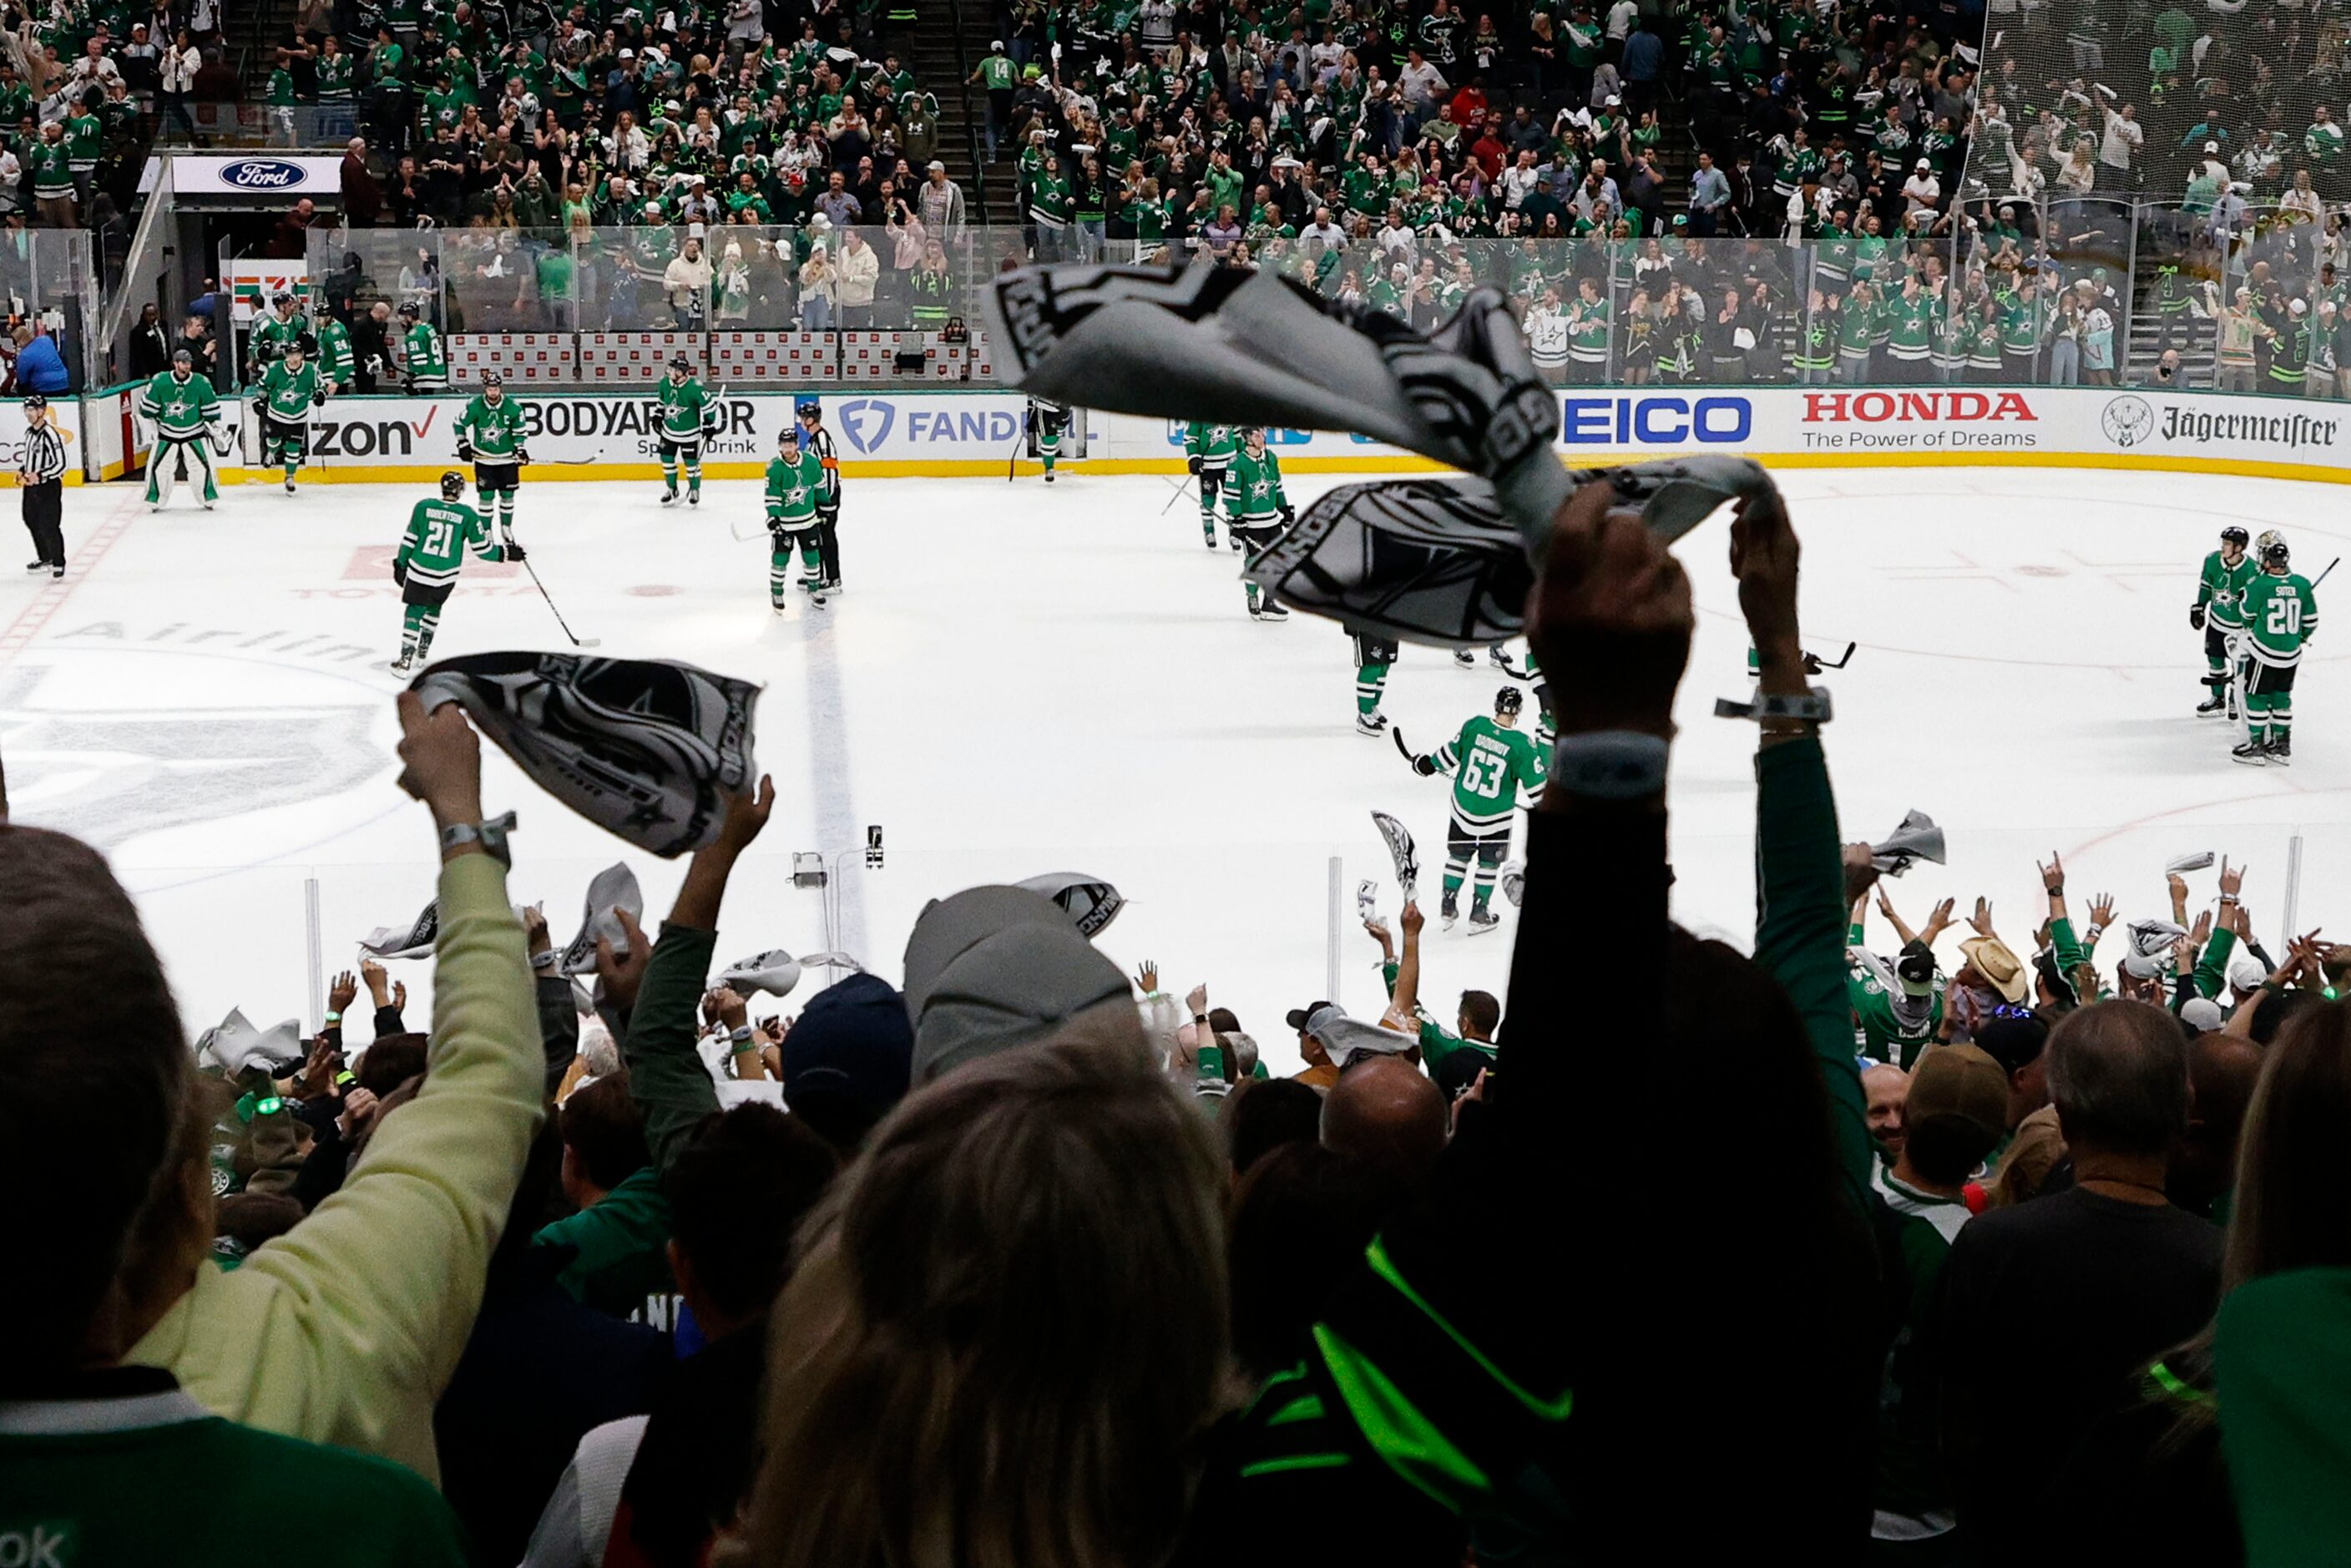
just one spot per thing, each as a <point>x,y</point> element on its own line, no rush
<point>263,175</point>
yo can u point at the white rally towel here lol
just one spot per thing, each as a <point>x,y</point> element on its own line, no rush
<point>615,887</point>
<point>775,971</point>
<point>237,1046</point>
<point>413,940</point>
<point>1089,901</point>
<point>648,750</point>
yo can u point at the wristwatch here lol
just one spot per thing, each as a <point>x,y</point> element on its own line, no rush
<point>490,834</point>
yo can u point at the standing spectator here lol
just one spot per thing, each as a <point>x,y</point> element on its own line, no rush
<point>686,281</point>
<point>1710,196</point>
<point>150,346</point>
<point>73,959</point>
<point>178,68</point>
<point>362,197</point>
<point>859,272</point>
<point>53,182</point>
<point>939,204</point>
<point>2108,1271</point>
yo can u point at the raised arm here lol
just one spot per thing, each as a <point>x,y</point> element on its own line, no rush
<point>666,1077</point>
<point>1800,885</point>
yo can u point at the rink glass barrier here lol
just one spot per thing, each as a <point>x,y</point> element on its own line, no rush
<point>49,280</point>
<point>2013,290</point>
<point>1271,947</point>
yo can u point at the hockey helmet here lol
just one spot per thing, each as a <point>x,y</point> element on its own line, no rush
<point>1510,700</point>
<point>295,350</point>
<point>2234,534</point>
<point>493,382</point>
<point>2275,553</point>
<point>809,409</point>
<point>411,309</point>
<point>34,402</point>
<point>788,436</point>
<point>281,298</point>
<point>453,485</point>
<point>2268,537</point>
<point>682,363</point>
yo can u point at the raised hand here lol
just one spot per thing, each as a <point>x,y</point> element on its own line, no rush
<point>1981,921</point>
<point>1611,597</point>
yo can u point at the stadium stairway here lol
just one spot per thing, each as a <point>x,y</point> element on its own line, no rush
<point>945,53</point>
<point>250,33</point>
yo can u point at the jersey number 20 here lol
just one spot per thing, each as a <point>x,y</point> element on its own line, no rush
<point>2285,617</point>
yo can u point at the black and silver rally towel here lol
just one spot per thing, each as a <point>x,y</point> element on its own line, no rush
<point>649,749</point>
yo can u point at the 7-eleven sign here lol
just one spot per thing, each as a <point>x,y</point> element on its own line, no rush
<point>253,284</point>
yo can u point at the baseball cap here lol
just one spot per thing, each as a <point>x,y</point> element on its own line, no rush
<point>1296,1018</point>
<point>935,163</point>
<point>2203,1015</point>
<point>851,1049</point>
<point>2014,1041</point>
<point>993,967</point>
<point>1959,1081</point>
<point>1916,968</point>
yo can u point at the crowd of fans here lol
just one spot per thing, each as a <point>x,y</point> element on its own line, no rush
<point>1026,1262</point>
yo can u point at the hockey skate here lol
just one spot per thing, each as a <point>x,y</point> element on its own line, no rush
<point>401,665</point>
<point>2280,750</point>
<point>289,486</point>
<point>37,566</point>
<point>1372,724</point>
<point>693,497</point>
<point>1482,920</point>
<point>2254,753</point>
<point>1268,611</point>
<point>1048,476</point>
<point>2214,708</point>
<point>669,499</point>
<point>1463,659</point>
<point>1449,911</point>
<point>1209,531</point>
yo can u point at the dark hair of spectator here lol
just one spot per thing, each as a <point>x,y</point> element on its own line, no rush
<point>1265,1113</point>
<point>737,1193</point>
<point>605,1132</point>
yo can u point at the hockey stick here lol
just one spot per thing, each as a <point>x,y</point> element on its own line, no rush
<point>577,641</point>
<point>1397,735</point>
<point>2322,576</point>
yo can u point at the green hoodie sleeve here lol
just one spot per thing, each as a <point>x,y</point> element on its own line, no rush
<point>2283,1364</point>
<point>1802,928</point>
<point>2213,967</point>
<point>666,1077</point>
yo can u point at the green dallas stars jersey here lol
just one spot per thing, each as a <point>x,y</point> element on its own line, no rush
<point>273,336</point>
<point>420,355</point>
<point>493,429</point>
<point>335,351</point>
<point>1491,764</point>
<point>683,408</point>
<point>793,485</point>
<point>181,409</point>
<point>440,533</point>
<point>288,395</point>
<point>2220,591</point>
<point>1871,988</point>
<point>2281,612</point>
<point>1253,497</point>
<point>1213,444</point>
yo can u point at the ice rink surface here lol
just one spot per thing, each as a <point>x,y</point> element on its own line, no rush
<point>1022,679</point>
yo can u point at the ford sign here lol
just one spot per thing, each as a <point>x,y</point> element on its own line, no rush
<point>263,175</point>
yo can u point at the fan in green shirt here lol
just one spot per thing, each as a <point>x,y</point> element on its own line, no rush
<point>1896,1007</point>
<point>1454,1057</point>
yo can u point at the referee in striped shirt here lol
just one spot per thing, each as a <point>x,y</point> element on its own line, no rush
<point>41,470</point>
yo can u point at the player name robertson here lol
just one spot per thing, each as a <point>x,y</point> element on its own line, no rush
<point>2291,430</point>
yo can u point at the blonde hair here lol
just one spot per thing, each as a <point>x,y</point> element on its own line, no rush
<point>1008,1331</point>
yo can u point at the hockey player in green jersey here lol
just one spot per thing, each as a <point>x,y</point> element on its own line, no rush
<point>274,335</point>
<point>1493,763</point>
<point>490,437</point>
<point>440,533</point>
<point>2281,614</point>
<point>182,407</point>
<point>683,418</point>
<point>424,366</point>
<point>335,363</point>
<point>1208,452</point>
<point>1256,511</point>
<point>290,389</point>
<point>795,485</point>
<point>1045,423</point>
<point>1374,656</point>
<point>2220,614</point>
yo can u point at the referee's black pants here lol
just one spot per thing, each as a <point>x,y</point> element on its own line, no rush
<point>45,510</point>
